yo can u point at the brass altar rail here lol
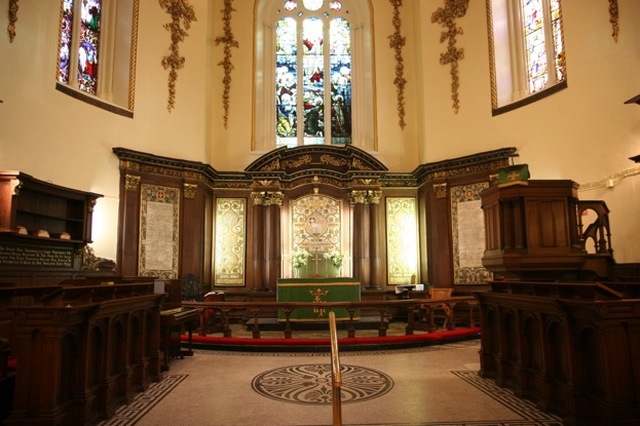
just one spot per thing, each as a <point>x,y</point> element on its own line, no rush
<point>336,377</point>
<point>385,309</point>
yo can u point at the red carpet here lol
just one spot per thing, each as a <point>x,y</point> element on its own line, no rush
<point>354,343</point>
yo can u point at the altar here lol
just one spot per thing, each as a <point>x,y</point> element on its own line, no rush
<point>319,291</point>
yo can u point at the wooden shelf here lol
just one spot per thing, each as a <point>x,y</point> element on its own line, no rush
<point>31,205</point>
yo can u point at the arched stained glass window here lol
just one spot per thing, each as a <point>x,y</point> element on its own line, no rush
<point>321,89</point>
<point>96,52</point>
<point>529,59</point>
<point>313,76</point>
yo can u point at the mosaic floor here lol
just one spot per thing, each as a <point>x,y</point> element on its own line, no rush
<point>435,385</point>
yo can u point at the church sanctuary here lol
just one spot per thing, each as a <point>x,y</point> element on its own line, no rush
<point>319,212</point>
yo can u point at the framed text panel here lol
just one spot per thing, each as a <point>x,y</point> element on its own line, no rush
<point>159,231</point>
<point>468,234</point>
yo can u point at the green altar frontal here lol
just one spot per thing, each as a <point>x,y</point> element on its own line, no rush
<point>320,291</point>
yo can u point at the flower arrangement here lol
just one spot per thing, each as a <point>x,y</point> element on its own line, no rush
<point>298,258</point>
<point>335,257</point>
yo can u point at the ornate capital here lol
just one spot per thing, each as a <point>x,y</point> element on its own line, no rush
<point>365,197</point>
<point>374,197</point>
<point>131,182</point>
<point>258,197</point>
<point>273,198</point>
<point>440,189</point>
<point>190,190</point>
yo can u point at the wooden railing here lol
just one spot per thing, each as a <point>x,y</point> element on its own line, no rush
<point>336,377</point>
<point>384,310</point>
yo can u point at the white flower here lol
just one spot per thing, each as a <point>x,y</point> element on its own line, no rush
<point>335,257</point>
<point>298,258</point>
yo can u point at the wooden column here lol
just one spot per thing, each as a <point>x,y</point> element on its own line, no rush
<point>272,250</point>
<point>257,241</point>
<point>361,234</point>
<point>375,238</point>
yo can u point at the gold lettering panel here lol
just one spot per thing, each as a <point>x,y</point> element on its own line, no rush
<point>402,240</point>
<point>231,237</point>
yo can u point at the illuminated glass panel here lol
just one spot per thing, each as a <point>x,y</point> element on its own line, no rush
<point>290,4</point>
<point>88,48</point>
<point>313,54</point>
<point>230,241</point>
<point>65,41</point>
<point>312,4</point>
<point>556,23</point>
<point>340,60</point>
<point>286,82</point>
<point>313,80</point>
<point>535,45</point>
<point>402,240</point>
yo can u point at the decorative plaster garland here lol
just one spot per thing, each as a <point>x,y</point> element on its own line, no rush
<point>228,42</point>
<point>396,41</point>
<point>613,18</point>
<point>178,9</point>
<point>446,17</point>
<point>13,18</point>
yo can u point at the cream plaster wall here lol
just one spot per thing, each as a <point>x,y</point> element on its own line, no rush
<point>588,135</point>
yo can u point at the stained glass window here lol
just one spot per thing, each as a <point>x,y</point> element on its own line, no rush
<point>543,42</point>
<point>87,28</point>
<point>313,53</point>
<point>65,41</point>
<point>528,61</point>
<point>89,43</point>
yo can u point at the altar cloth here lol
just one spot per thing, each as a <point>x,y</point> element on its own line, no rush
<point>320,291</point>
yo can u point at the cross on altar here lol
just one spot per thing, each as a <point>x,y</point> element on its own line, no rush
<point>317,260</point>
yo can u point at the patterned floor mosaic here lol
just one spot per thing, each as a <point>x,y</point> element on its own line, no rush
<point>143,402</point>
<point>530,414</point>
<point>312,383</point>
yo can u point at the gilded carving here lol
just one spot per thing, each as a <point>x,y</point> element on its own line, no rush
<point>258,198</point>
<point>300,161</point>
<point>374,197</point>
<point>13,18</point>
<point>189,190</point>
<point>440,189</point>
<point>329,159</point>
<point>357,197</point>
<point>229,42</point>
<point>273,198</point>
<point>179,10</point>
<point>274,165</point>
<point>613,18</point>
<point>446,17</point>
<point>131,182</point>
<point>357,164</point>
<point>90,262</point>
<point>397,42</point>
